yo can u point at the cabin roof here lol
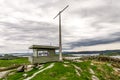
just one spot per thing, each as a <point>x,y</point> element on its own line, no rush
<point>43,47</point>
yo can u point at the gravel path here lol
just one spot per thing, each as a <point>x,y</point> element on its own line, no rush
<point>50,66</point>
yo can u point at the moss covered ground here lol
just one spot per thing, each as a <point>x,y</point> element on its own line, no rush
<point>18,61</point>
<point>66,70</point>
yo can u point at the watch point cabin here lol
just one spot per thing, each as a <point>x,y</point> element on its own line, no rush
<point>43,54</point>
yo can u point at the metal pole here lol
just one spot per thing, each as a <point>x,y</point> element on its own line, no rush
<point>60,35</point>
<point>60,39</point>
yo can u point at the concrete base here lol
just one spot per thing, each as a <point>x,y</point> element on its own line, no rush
<point>43,59</point>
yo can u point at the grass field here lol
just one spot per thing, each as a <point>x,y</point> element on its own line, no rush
<point>69,70</point>
<point>18,61</point>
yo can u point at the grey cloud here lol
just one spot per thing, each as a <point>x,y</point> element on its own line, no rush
<point>115,37</point>
<point>108,14</point>
<point>116,34</point>
<point>30,30</point>
<point>30,26</point>
<point>2,46</point>
<point>105,13</point>
<point>47,5</point>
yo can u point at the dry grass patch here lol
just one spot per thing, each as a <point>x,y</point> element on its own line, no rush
<point>98,62</point>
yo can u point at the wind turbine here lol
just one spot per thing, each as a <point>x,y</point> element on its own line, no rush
<point>60,35</point>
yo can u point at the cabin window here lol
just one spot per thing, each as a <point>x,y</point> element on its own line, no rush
<point>43,53</point>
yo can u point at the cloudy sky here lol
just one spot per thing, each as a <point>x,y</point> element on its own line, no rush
<point>86,24</point>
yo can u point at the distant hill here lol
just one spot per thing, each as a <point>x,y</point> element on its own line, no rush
<point>106,52</point>
<point>18,54</point>
<point>94,52</point>
<point>22,54</point>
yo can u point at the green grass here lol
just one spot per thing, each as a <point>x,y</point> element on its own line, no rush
<point>18,61</point>
<point>85,74</point>
<point>19,75</point>
<point>60,72</point>
<point>104,72</point>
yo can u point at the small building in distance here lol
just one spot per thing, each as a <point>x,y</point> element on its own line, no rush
<point>43,54</point>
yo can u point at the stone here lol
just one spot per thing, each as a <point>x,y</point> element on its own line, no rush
<point>65,65</point>
<point>78,68</point>
<point>21,68</point>
<point>25,75</point>
<point>91,71</point>
<point>66,62</point>
<point>77,72</point>
<point>29,68</point>
<point>95,78</point>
